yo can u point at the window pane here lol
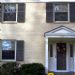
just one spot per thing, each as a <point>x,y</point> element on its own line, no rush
<point>60,7</point>
<point>51,50</point>
<point>9,12</point>
<point>8,54</point>
<point>71,50</point>
<point>8,49</point>
<point>9,17</point>
<point>61,11</point>
<point>61,16</point>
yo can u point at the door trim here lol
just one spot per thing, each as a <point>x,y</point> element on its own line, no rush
<point>46,57</point>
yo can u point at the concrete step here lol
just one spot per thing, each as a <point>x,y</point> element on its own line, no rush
<point>63,73</point>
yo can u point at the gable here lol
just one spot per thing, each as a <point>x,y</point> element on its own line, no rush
<point>59,31</point>
<point>63,31</point>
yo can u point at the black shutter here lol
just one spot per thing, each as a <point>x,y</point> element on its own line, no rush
<point>72,12</point>
<point>21,12</point>
<point>49,12</point>
<point>20,50</point>
<point>0,12</point>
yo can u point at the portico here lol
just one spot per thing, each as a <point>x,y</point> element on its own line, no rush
<point>60,50</point>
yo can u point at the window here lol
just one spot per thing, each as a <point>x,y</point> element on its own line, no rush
<point>61,12</point>
<point>12,12</point>
<point>9,13</point>
<point>51,50</point>
<point>8,50</point>
<point>11,50</point>
<point>71,50</point>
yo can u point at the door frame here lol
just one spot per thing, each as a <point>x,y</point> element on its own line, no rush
<point>46,57</point>
<point>47,61</point>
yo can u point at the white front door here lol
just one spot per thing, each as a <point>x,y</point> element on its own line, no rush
<point>60,57</point>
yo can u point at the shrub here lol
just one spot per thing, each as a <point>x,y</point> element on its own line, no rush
<point>9,68</point>
<point>12,68</point>
<point>32,69</point>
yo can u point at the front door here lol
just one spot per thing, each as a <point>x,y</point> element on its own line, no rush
<point>61,56</point>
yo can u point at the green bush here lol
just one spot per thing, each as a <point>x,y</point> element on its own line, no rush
<point>9,68</point>
<point>32,69</point>
<point>12,68</point>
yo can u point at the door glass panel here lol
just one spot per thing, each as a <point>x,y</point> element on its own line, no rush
<point>61,56</point>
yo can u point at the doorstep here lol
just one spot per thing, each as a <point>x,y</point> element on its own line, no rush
<point>61,73</point>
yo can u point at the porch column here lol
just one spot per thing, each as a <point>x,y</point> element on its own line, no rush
<point>74,58</point>
<point>46,54</point>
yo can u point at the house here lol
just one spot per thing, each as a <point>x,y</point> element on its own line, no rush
<point>32,32</point>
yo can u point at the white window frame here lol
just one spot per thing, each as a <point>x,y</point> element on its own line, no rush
<point>3,14</point>
<point>67,12</point>
<point>13,60</point>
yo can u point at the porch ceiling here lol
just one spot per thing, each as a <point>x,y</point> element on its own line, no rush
<point>70,40</point>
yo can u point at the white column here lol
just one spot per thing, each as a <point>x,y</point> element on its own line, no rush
<point>46,54</point>
<point>67,57</point>
<point>54,57</point>
<point>74,57</point>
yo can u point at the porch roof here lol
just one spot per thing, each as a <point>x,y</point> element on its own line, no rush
<point>61,32</point>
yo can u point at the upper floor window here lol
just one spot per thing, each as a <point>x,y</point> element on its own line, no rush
<point>12,12</point>
<point>9,13</point>
<point>60,12</point>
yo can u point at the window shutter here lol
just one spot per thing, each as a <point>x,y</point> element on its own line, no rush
<point>49,12</point>
<point>21,12</point>
<point>72,12</point>
<point>20,50</point>
<point>0,12</point>
<point>0,49</point>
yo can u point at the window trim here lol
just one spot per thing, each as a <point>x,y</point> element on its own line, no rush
<point>68,4</point>
<point>15,51</point>
<point>8,22</point>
